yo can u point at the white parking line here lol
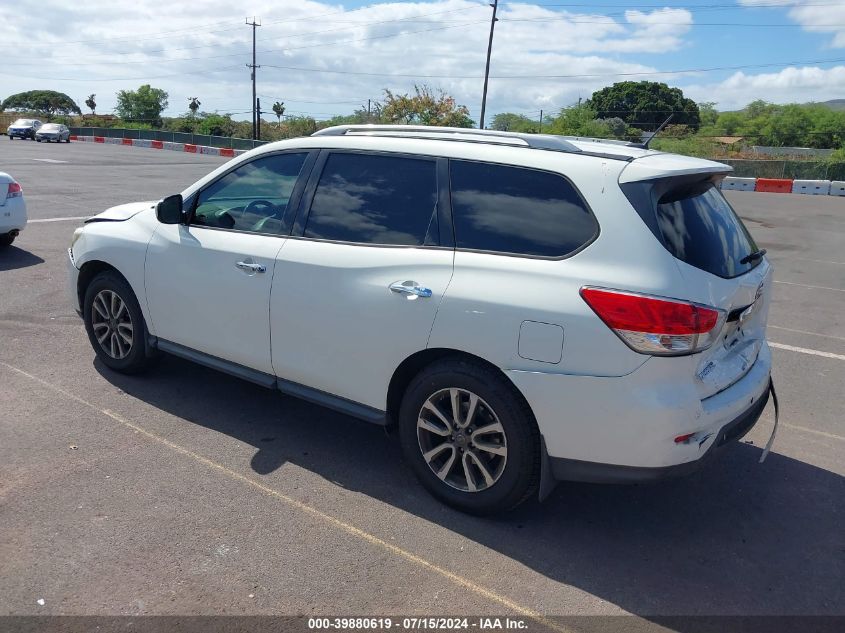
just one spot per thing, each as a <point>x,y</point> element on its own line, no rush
<point>48,160</point>
<point>804,350</point>
<point>789,329</point>
<point>76,217</point>
<point>819,261</point>
<point>792,283</point>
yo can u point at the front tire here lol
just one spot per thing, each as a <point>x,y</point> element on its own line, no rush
<point>114,323</point>
<point>470,437</point>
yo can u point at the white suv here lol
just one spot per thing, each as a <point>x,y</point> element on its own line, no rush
<point>526,308</point>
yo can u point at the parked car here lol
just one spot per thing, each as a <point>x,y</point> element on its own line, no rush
<point>53,132</point>
<point>12,210</point>
<point>525,308</point>
<point>23,128</point>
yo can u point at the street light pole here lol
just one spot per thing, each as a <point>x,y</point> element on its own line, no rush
<point>493,21</point>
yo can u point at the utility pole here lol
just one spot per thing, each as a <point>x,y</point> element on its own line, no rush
<point>493,21</point>
<point>541,122</point>
<point>253,66</point>
<point>258,119</point>
<point>368,110</point>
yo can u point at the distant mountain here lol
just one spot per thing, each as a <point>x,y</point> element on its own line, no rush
<point>834,104</point>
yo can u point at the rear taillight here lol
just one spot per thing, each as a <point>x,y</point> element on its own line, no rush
<point>14,191</point>
<point>656,325</point>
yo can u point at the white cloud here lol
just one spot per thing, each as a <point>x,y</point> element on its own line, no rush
<point>201,50</point>
<point>789,85</point>
<point>816,16</point>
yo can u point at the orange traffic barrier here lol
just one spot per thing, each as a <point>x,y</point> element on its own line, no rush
<point>227,152</point>
<point>74,137</point>
<point>774,185</point>
<point>157,144</point>
<point>99,139</point>
<point>190,148</point>
<point>126,141</point>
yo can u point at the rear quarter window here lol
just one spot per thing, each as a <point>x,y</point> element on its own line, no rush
<point>700,228</point>
<point>517,211</point>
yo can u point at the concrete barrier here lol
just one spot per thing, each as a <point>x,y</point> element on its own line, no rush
<point>176,147</point>
<point>774,185</point>
<point>141,142</point>
<point>734,183</point>
<point>837,188</point>
<point>811,187</point>
<point>211,151</point>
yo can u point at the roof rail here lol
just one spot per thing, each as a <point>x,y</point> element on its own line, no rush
<point>534,141</point>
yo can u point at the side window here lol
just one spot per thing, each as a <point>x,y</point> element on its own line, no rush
<point>375,199</point>
<point>253,197</point>
<point>518,211</point>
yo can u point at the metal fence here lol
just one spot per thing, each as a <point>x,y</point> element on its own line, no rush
<point>795,169</point>
<point>172,137</point>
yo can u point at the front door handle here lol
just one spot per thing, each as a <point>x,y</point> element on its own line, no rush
<point>249,267</point>
<point>410,288</point>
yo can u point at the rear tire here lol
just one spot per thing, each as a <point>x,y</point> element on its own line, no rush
<point>6,240</point>
<point>483,463</point>
<point>114,324</point>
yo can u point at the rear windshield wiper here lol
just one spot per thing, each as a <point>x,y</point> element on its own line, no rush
<point>752,256</point>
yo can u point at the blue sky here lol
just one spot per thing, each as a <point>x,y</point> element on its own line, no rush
<point>324,58</point>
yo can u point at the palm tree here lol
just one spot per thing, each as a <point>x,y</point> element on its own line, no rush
<point>194,105</point>
<point>279,110</point>
<point>89,102</point>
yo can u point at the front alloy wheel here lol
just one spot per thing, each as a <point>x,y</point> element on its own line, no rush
<point>462,440</point>
<point>112,324</point>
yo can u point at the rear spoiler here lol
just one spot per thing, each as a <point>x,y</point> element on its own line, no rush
<point>659,166</point>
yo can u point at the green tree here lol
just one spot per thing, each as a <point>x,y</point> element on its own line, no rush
<point>91,104</point>
<point>645,104</point>
<point>193,105</point>
<point>425,107</point>
<point>299,126</point>
<point>511,122</point>
<point>279,110</point>
<point>707,112</point>
<point>144,104</point>
<point>579,120</point>
<point>47,103</point>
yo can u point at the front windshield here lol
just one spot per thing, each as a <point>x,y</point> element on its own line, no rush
<point>24,122</point>
<point>50,127</point>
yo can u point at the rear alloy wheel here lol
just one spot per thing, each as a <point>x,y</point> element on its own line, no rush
<point>115,324</point>
<point>462,440</point>
<point>470,437</point>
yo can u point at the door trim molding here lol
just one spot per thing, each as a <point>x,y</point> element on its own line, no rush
<point>269,381</point>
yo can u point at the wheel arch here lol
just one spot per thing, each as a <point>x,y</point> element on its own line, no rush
<point>416,362</point>
<point>89,271</point>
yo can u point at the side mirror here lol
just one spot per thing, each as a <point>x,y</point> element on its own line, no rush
<point>169,210</point>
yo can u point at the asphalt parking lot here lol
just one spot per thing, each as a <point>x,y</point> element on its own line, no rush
<point>187,491</point>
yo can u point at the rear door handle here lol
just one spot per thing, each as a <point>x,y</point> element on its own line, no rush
<point>410,288</point>
<point>249,267</point>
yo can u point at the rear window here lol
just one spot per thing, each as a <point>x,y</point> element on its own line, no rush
<point>700,228</point>
<point>517,211</point>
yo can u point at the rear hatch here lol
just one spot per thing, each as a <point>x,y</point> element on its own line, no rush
<point>679,199</point>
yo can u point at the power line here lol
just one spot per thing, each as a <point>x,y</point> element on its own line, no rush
<point>571,76</point>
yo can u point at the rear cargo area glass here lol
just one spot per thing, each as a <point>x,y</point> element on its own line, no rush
<point>700,228</point>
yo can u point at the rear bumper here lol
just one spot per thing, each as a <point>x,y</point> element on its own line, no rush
<point>13,216</point>
<point>627,425</point>
<point>575,470</point>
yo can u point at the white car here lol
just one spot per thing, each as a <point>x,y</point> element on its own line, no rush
<point>12,210</point>
<point>525,308</point>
